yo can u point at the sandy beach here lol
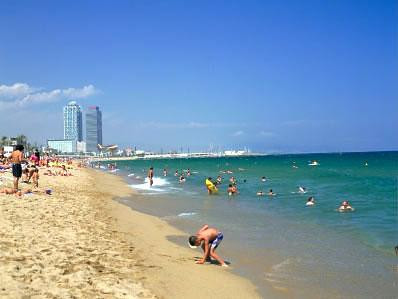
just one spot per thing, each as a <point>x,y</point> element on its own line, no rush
<point>80,243</point>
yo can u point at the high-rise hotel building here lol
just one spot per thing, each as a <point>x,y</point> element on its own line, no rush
<point>93,128</point>
<point>73,122</point>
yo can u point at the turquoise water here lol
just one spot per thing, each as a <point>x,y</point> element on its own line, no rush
<point>278,241</point>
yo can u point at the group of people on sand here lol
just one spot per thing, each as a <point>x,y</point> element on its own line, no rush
<point>25,169</point>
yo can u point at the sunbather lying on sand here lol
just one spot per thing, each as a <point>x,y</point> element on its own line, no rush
<point>10,191</point>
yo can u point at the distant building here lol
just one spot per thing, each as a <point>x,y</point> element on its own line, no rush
<point>73,122</point>
<point>93,129</point>
<point>7,150</point>
<point>63,146</point>
<point>129,151</point>
<point>81,147</point>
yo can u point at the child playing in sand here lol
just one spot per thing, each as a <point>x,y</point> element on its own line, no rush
<point>209,238</point>
<point>35,177</point>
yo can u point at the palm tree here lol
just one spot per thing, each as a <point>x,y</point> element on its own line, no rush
<point>22,139</point>
<point>3,140</point>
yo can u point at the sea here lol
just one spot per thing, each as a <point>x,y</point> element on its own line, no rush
<point>287,249</point>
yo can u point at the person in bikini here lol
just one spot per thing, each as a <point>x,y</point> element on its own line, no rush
<point>208,238</point>
<point>150,176</point>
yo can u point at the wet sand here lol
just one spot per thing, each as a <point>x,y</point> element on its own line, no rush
<point>80,243</point>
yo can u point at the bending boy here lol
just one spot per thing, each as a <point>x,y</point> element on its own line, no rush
<point>209,238</point>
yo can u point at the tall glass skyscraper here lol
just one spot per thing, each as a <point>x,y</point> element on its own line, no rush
<point>73,122</point>
<point>93,128</point>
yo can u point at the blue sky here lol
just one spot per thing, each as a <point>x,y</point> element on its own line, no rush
<point>275,76</point>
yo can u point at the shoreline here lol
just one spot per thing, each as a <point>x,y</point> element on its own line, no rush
<point>81,242</point>
<point>173,273</point>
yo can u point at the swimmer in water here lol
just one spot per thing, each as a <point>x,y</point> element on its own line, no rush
<point>302,190</point>
<point>260,193</point>
<point>232,190</point>
<point>345,207</point>
<point>164,172</point>
<point>176,173</point>
<point>189,172</point>
<point>150,176</point>
<point>310,201</point>
<point>219,180</point>
<point>263,179</point>
<point>271,193</point>
<point>182,179</point>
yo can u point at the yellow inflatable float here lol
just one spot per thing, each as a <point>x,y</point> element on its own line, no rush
<point>210,186</point>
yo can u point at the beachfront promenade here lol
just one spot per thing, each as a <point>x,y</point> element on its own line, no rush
<point>79,243</point>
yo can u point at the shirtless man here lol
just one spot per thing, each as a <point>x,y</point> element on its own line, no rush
<point>345,207</point>
<point>209,238</point>
<point>16,159</point>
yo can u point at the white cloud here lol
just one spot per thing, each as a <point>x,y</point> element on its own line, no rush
<point>294,123</point>
<point>312,122</point>
<point>21,95</point>
<point>267,134</point>
<point>160,125</point>
<point>80,93</point>
<point>15,90</point>
<point>238,133</point>
<point>198,125</point>
<point>188,125</point>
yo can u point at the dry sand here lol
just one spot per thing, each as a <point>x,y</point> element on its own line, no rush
<point>79,243</point>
